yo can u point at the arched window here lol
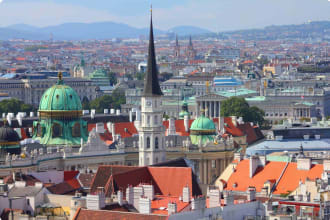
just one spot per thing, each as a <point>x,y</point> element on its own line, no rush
<point>156,143</point>
<point>148,120</point>
<point>56,130</point>
<point>155,119</point>
<point>39,130</point>
<point>76,130</point>
<point>148,142</point>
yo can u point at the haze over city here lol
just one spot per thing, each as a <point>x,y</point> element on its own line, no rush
<point>215,15</point>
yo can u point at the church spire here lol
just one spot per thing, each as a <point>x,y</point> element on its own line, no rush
<point>176,41</point>
<point>151,83</point>
<point>190,41</point>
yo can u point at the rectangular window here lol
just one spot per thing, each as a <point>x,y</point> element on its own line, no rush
<point>213,164</point>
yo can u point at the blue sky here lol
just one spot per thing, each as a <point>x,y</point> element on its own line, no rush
<point>216,15</point>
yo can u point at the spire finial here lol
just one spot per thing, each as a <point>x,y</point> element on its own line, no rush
<point>60,76</point>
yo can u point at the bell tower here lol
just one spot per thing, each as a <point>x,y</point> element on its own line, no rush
<point>151,129</point>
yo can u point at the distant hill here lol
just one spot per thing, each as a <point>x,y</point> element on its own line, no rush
<point>189,30</point>
<point>84,31</point>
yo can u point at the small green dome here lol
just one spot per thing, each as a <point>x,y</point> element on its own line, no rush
<point>60,97</point>
<point>203,123</point>
<point>183,113</point>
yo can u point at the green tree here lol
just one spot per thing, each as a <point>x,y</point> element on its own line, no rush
<point>85,103</point>
<point>14,105</point>
<point>112,78</point>
<point>237,106</point>
<point>109,101</point>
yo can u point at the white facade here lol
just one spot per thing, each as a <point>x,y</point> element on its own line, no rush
<point>151,132</point>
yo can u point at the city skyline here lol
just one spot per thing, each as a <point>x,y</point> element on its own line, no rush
<point>211,14</point>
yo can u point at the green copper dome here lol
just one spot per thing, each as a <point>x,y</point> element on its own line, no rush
<point>60,120</point>
<point>203,124</point>
<point>60,101</point>
<point>202,130</point>
<point>60,97</point>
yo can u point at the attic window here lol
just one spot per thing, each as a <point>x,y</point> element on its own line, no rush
<point>70,96</point>
<point>235,185</point>
<point>57,96</point>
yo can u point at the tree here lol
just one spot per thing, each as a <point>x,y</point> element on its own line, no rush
<point>109,101</point>
<point>112,78</point>
<point>237,106</point>
<point>14,105</point>
<point>85,103</point>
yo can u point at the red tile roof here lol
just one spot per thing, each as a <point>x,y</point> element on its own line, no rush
<point>162,201</point>
<point>114,178</point>
<point>68,175</point>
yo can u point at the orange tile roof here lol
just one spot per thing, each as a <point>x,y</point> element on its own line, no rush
<point>271,172</point>
<point>162,201</point>
<point>241,178</point>
<point>291,177</point>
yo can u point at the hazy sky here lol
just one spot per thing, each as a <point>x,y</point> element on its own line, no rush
<point>216,15</point>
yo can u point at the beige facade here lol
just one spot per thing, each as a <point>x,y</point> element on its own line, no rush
<point>31,91</point>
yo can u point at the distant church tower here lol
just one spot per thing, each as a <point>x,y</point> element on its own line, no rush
<point>177,49</point>
<point>190,53</point>
<point>151,129</point>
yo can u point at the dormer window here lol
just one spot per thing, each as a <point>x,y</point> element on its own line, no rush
<point>76,130</point>
<point>56,130</point>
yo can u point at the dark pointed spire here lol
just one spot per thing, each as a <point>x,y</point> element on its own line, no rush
<point>176,41</point>
<point>190,41</point>
<point>151,83</point>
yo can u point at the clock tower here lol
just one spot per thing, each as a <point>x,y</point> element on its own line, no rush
<point>151,129</point>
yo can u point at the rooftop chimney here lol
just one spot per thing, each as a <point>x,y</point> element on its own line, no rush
<point>129,195</point>
<point>186,194</point>
<point>198,203</point>
<point>251,194</point>
<point>214,198</point>
<point>118,112</point>
<point>144,205</point>
<point>149,191</point>
<point>228,198</point>
<point>254,163</point>
<point>106,111</point>
<point>171,127</point>
<point>120,197</point>
<point>172,208</point>
<point>130,116</point>
<point>304,163</point>
<point>186,123</point>
<point>137,193</point>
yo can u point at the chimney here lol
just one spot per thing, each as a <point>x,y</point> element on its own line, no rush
<point>120,197</point>
<point>118,112</point>
<point>144,205</point>
<point>112,111</point>
<point>100,128</point>
<point>172,208</point>
<point>238,156</point>
<point>233,119</point>
<point>262,160</point>
<point>149,191</point>
<point>186,123</point>
<point>304,163</point>
<point>92,113</point>
<point>186,194</point>
<point>95,202</point>
<point>137,193</point>
<point>198,203</point>
<point>130,116</point>
<point>214,198</point>
<point>251,194</point>
<point>106,111</point>
<point>31,114</point>
<point>326,165</point>
<point>228,198</point>
<point>113,130</point>
<point>129,195</point>
<point>240,120</point>
<point>171,127</point>
<point>221,125</point>
<point>254,163</point>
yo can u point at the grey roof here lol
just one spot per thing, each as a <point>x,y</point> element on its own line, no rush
<point>151,83</point>
<point>270,146</point>
<point>24,191</point>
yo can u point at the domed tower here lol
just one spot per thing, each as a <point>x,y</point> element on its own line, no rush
<point>184,110</point>
<point>202,131</point>
<point>60,114</point>
<point>9,141</point>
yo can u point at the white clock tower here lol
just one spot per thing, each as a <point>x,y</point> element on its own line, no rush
<point>151,129</point>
